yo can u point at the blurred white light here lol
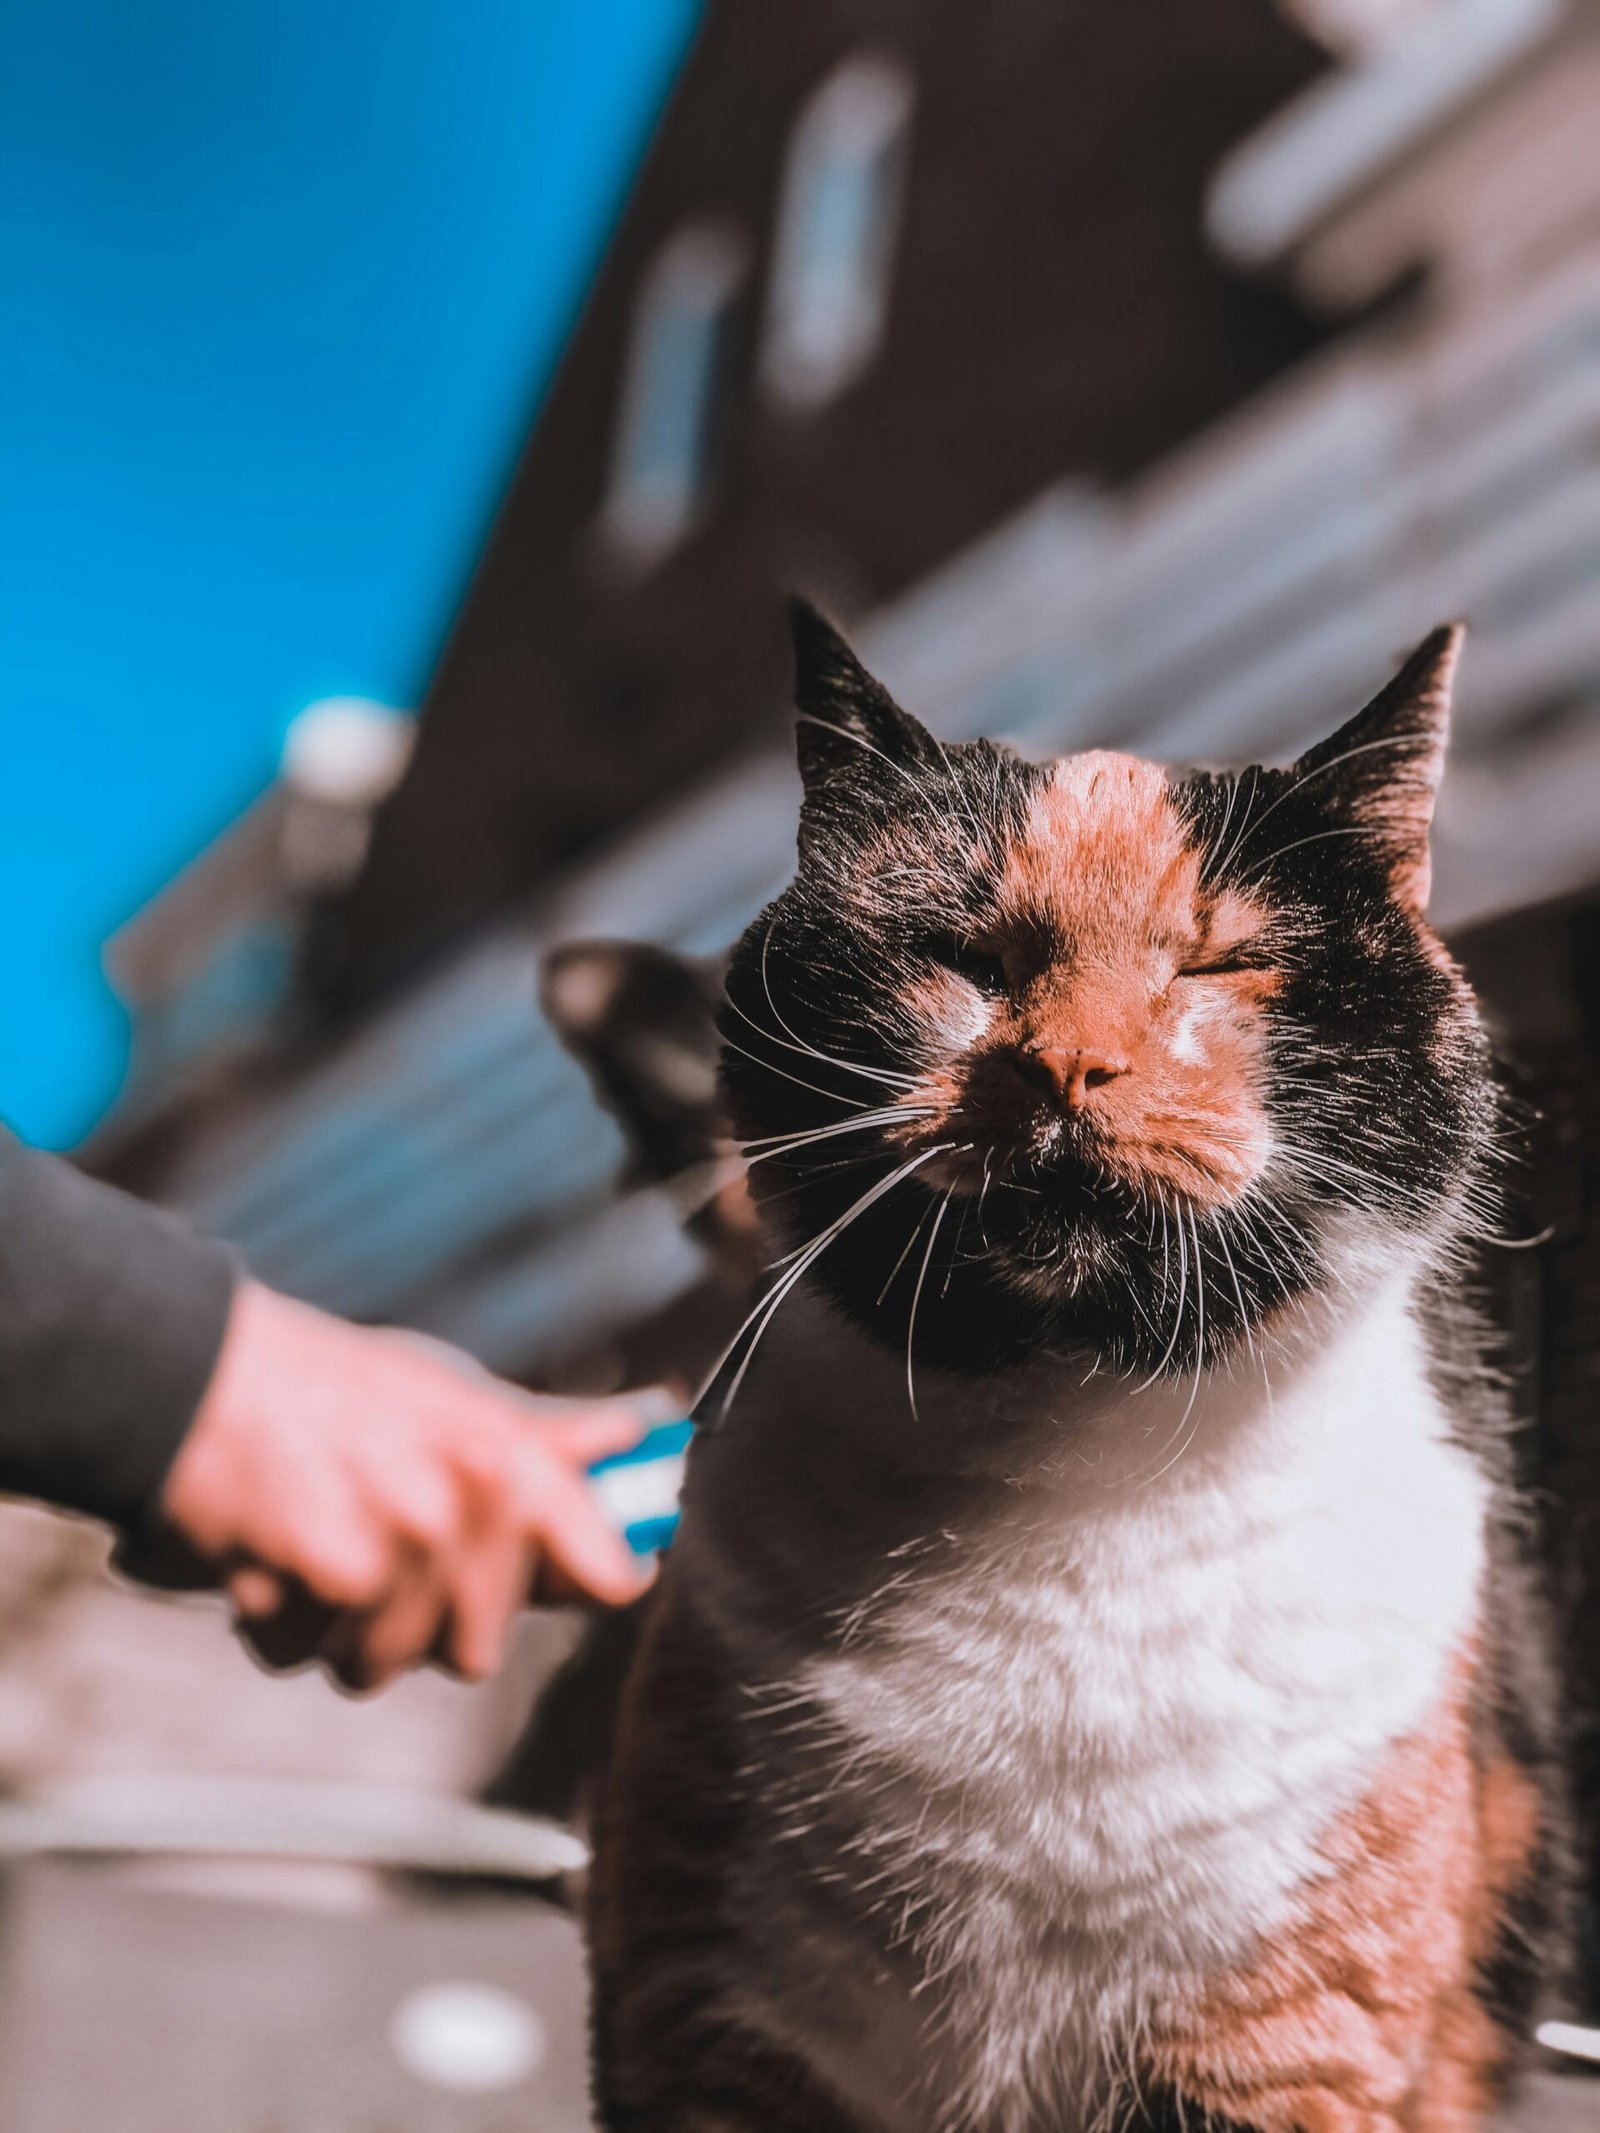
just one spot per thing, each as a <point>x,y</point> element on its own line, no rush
<point>1570,2038</point>
<point>468,2037</point>
<point>347,750</point>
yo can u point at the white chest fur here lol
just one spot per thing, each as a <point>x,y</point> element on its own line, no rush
<point>1086,1748</point>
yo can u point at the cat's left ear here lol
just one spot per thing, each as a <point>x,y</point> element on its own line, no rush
<point>1381,771</point>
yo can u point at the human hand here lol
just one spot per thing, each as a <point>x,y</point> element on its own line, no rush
<point>414,1501</point>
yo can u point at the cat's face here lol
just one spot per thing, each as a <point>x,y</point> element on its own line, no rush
<point>1093,1055</point>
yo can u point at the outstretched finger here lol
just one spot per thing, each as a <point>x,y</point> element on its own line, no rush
<point>563,1519</point>
<point>581,1435</point>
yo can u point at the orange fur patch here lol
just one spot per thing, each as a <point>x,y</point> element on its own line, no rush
<point>1362,2018</point>
<point>1102,837</point>
<point>1104,930</point>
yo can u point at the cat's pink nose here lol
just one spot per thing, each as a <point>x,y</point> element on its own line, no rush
<point>1072,1076</point>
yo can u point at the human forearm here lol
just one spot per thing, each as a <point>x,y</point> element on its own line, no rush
<point>111,1317</point>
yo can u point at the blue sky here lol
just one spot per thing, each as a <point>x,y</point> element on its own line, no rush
<point>281,284</point>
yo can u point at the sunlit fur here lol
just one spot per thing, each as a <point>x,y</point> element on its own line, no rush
<point>1289,1046</point>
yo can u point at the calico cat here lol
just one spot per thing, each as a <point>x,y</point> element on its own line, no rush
<point>1090,1687</point>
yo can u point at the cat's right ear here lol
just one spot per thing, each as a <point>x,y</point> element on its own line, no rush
<point>851,736</point>
<point>1380,773</point>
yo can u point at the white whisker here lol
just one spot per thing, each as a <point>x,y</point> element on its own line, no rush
<point>782,1143</point>
<point>798,1042</point>
<point>1244,825</point>
<point>783,1074</point>
<point>1396,740</point>
<point>768,1305</point>
<point>1182,1437</point>
<point>1177,1316</point>
<point>1238,1292</point>
<point>809,718</point>
<point>916,1298</point>
<point>1260,866</point>
<point>810,1051</point>
<point>905,1252</point>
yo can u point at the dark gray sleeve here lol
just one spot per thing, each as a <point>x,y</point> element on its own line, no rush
<point>111,1316</point>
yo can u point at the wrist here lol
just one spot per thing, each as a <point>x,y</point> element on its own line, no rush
<point>200,1495</point>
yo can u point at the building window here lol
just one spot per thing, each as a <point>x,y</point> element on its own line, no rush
<point>669,401</point>
<point>836,230</point>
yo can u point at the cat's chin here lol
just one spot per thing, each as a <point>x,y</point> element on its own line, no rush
<point>1053,1258</point>
<point>1085,1262</point>
<point>1092,1273</point>
<point>1062,1202</point>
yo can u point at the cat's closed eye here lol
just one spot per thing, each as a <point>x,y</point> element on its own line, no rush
<point>969,959</point>
<point>1226,963</point>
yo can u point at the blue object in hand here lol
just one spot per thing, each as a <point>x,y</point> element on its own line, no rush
<point>638,1488</point>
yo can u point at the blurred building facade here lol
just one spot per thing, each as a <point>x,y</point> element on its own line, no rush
<point>1142,377</point>
<point>885,274</point>
<point>806,361</point>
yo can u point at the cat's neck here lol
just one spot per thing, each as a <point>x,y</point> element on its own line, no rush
<point>1057,1421</point>
<point>821,1474</point>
